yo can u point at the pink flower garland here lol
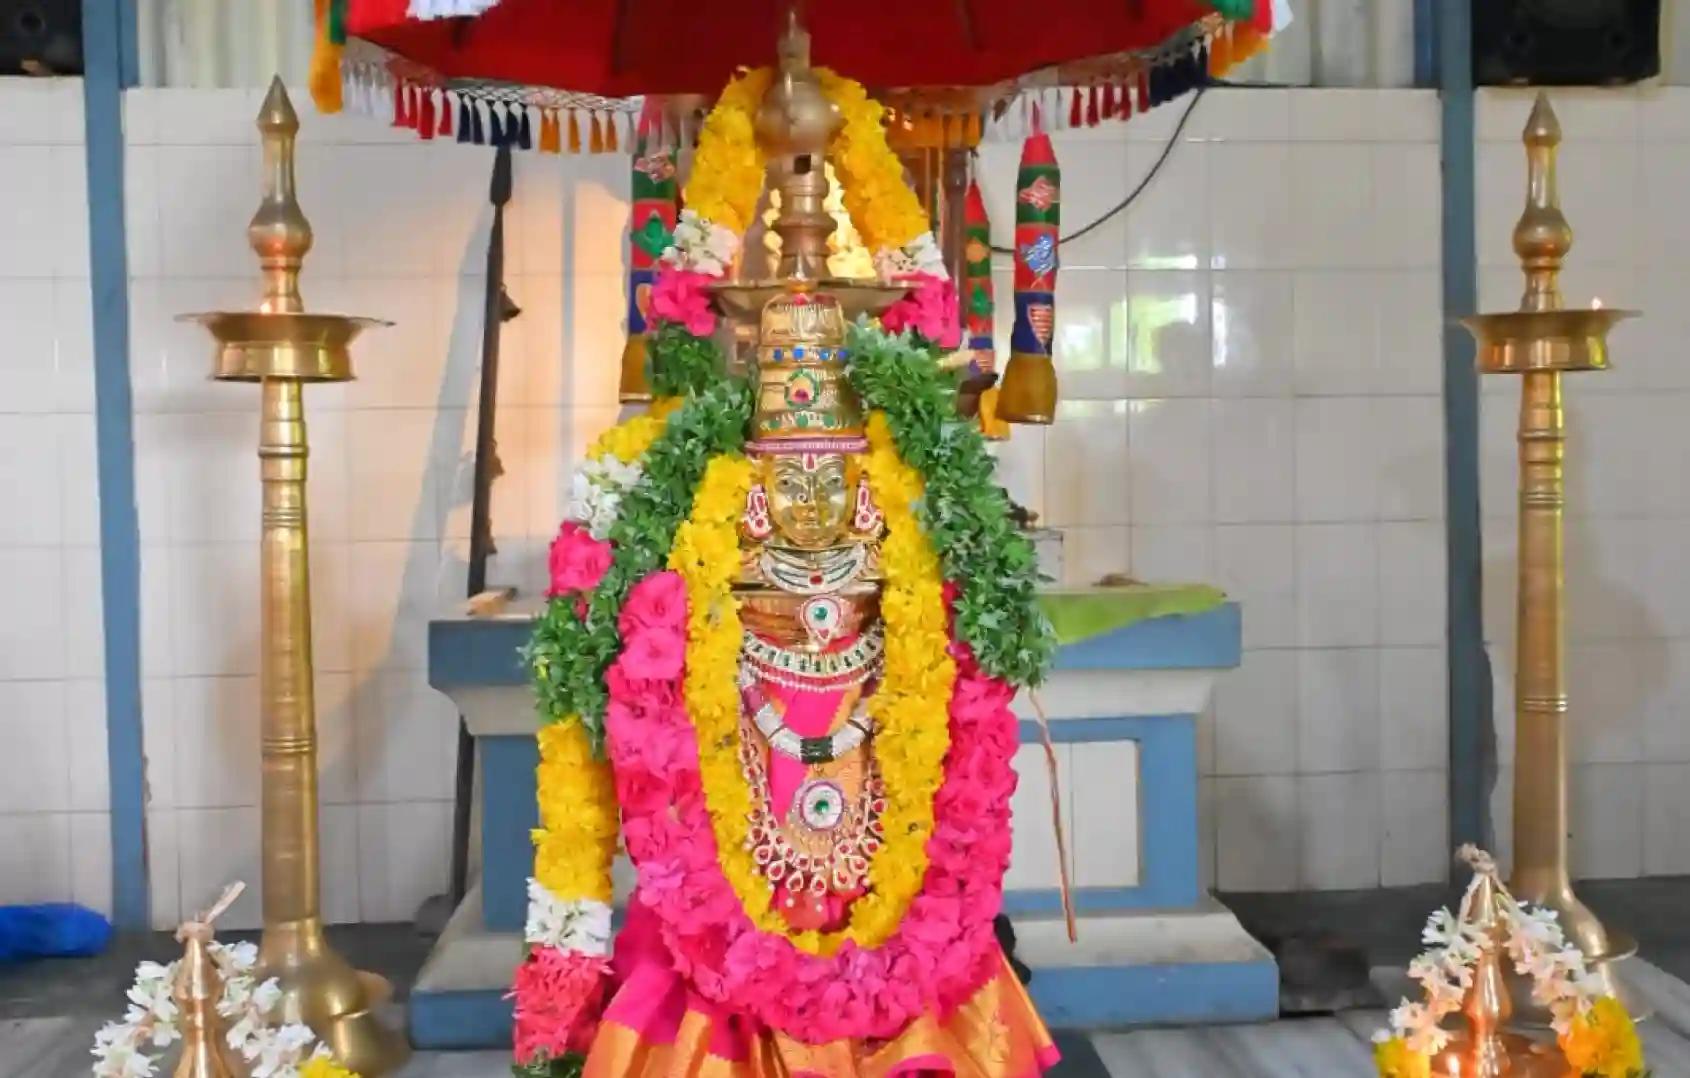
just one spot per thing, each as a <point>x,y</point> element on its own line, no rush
<point>945,947</point>
<point>682,296</point>
<point>558,996</point>
<point>930,309</point>
<point>576,560</point>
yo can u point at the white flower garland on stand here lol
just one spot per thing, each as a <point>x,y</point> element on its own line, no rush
<point>132,1047</point>
<point>1561,981</point>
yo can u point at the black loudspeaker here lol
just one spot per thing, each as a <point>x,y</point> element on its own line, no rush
<point>41,37</point>
<point>1565,42</point>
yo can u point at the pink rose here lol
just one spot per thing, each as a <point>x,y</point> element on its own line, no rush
<point>653,655</point>
<point>930,310</point>
<point>577,560</point>
<point>680,296</point>
<point>657,602</point>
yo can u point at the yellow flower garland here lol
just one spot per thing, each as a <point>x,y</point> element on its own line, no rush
<point>1395,1059</point>
<point>727,169</point>
<point>576,840</point>
<point>909,708</point>
<point>629,439</point>
<point>885,209</point>
<point>323,1067</point>
<point>1603,1042</point>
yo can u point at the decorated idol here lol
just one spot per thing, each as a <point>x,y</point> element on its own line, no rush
<point>789,611</point>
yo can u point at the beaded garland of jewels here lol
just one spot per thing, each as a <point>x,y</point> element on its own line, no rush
<point>809,585</point>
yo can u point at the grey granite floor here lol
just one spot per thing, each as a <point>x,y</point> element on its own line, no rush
<point>49,1010</point>
<point>1329,1047</point>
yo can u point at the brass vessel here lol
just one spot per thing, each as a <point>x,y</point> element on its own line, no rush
<point>1540,342</point>
<point>281,348</point>
<point>198,988</point>
<point>1483,1047</point>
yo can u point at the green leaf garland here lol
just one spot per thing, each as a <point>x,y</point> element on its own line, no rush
<point>681,363</point>
<point>570,651</point>
<point>568,1065</point>
<point>964,511</point>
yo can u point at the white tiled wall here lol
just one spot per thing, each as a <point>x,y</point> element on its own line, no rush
<point>1625,165</point>
<point>401,231</point>
<point>54,833</point>
<point>1250,363</point>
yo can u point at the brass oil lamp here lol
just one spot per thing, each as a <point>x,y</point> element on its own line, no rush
<point>794,125</point>
<point>1540,342</point>
<point>281,348</point>
<point>1483,1047</point>
<point>198,988</point>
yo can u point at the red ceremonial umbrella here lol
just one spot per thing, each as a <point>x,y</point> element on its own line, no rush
<point>593,55</point>
<point>620,48</point>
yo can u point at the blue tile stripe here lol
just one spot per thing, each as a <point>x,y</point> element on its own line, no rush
<point>108,42</point>
<point>1167,779</point>
<point>1103,997</point>
<point>1472,731</point>
<point>510,812</point>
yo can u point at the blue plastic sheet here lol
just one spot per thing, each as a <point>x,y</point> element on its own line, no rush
<point>51,930</point>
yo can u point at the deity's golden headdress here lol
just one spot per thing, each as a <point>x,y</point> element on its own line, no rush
<point>805,403</point>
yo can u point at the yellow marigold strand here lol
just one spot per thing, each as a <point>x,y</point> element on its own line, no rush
<point>727,169</point>
<point>576,840</point>
<point>629,439</point>
<point>884,208</point>
<point>909,707</point>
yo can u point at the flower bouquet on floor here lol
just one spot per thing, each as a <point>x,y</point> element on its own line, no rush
<point>1461,972</point>
<point>226,1023</point>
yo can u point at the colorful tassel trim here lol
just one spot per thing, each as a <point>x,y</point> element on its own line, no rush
<point>366,79</point>
<point>326,50</point>
<point>372,85</point>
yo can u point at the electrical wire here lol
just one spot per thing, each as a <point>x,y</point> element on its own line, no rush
<point>1173,140</point>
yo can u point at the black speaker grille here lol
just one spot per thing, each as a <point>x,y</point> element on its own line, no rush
<point>41,37</point>
<point>1565,42</point>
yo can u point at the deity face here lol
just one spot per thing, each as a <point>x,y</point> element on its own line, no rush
<point>809,499</point>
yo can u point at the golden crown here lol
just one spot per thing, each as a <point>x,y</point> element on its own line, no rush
<point>805,402</point>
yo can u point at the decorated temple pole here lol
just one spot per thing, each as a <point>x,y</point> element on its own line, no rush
<point>1028,392</point>
<point>979,308</point>
<point>653,192</point>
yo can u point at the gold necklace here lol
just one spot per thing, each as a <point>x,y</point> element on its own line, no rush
<point>813,573</point>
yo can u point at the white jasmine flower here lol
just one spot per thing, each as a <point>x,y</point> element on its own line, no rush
<point>267,995</point>
<point>924,254</point>
<point>579,925</point>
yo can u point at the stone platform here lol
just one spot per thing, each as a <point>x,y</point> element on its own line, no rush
<point>1153,947</point>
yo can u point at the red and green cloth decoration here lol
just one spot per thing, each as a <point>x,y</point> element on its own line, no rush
<point>569,75</point>
<point>655,192</point>
<point>977,306</point>
<point>1038,213</point>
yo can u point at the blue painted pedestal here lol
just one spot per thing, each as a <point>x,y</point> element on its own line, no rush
<point>1153,947</point>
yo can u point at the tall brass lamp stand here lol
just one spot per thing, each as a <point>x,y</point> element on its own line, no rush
<point>281,348</point>
<point>1540,342</point>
